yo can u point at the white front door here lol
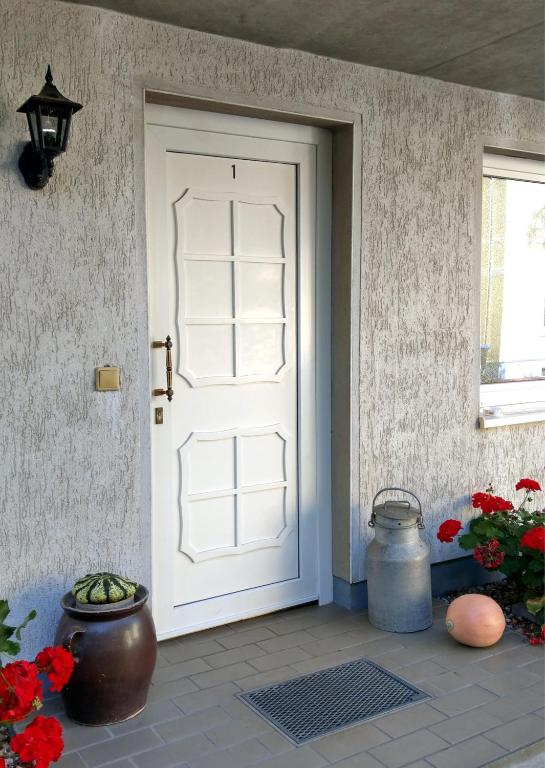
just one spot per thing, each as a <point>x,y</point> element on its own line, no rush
<point>235,530</point>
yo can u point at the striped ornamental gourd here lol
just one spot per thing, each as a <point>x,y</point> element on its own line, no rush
<point>103,588</point>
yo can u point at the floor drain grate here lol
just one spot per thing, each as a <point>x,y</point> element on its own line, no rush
<point>313,705</point>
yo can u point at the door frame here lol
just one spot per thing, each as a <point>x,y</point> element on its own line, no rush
<point>314,376</point>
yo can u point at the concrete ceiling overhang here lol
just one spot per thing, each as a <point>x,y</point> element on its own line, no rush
<point>493,44</point>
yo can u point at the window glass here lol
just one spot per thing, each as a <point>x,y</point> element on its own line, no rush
<point>512,331</point>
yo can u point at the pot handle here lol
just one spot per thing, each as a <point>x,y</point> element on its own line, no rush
<point>68,640</point>
<point>371,522</point>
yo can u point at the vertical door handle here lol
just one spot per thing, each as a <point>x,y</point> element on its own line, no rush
<point>167,344</point>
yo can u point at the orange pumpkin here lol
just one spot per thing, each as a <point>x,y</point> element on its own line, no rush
<point>475,620</point>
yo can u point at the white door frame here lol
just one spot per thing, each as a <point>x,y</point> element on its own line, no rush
<point>313,322</point>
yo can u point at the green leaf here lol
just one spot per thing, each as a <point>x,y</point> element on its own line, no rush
<point>510,566</point>
<point>4,610</point>
<point>535,604</point>
<point>510,547</point>
<point>30,617</point>
<point>494,532</point>
<point>9,647</point>
<point>6,631</point>
<point>482,527</point>
<point>532,580</point>
<point>468,541</point>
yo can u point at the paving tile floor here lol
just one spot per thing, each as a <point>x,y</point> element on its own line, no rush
<point>486,703</point>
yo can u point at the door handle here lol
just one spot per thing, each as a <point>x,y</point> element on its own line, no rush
<point>167,344</point>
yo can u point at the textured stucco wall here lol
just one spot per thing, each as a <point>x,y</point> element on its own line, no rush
<point>74,478</point>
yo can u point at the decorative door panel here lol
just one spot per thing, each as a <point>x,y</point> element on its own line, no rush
<point>231,253</point>
<point>231,304</point>
<point>238,480</point>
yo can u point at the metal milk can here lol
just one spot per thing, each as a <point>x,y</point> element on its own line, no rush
<point>398,567</point>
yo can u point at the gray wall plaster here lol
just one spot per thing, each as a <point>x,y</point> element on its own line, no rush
<point>74,477</point>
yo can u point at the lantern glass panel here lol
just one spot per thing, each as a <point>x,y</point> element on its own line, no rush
<point>50,130</point>
<point>64,121</point>
<point>32,118</point>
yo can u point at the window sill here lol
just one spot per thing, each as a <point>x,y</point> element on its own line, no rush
<point>487,421</point>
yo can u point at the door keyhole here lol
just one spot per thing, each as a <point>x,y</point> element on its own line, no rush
<point>234,172</point>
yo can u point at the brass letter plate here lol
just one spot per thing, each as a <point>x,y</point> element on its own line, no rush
<point>107,379</point>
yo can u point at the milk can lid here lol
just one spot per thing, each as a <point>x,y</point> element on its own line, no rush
<point>398,512</point>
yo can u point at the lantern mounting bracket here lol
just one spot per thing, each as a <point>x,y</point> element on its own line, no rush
<point>35,167</point>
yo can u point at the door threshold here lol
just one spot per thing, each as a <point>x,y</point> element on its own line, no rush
<point>236,618</point>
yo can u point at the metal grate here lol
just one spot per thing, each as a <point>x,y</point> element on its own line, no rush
<point>313,705</point>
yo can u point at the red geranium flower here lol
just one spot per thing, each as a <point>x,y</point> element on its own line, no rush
<point>20,690</point>
<point>448,530</point>
<point>501,505</point>
<point>40,743</point>
<point>534,538</point>
<point>489,504</point>
<point>57,664</point>
<point>527,484</point>
<point>489,555</point>
<point>480,499</point>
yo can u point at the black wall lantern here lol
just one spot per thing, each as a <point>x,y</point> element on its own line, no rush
<point>49,115</point>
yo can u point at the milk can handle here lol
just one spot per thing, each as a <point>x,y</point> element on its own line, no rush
<point>371,522</point>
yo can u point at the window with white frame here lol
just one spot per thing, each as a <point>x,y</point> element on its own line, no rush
<point>512,290</point>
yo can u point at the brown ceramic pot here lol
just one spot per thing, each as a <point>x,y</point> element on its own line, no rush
<point>115,650</point>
